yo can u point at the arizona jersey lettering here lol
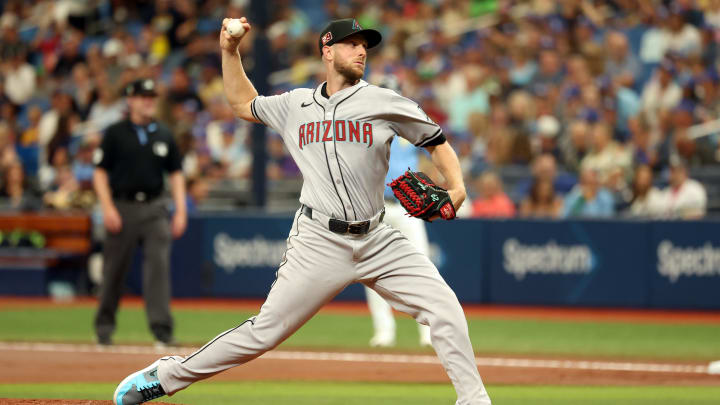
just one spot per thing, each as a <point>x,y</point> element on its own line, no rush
<point>342,143</point>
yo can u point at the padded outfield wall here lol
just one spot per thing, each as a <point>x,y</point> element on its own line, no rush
<point>582,263</point>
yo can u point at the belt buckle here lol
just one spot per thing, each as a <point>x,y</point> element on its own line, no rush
<point>140,196</point>
<point>359,228</point>
<point>338,226</point>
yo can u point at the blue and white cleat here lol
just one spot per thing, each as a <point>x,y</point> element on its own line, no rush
<point>139,387</point>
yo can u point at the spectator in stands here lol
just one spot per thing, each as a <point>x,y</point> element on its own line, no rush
<point>63,193</point>
<point>475,99</point>
<point>544,169</point>
<point>54,123</point>
<point>588,198</point>
<point>82,88</point>
<point>575,145</point>
<point>227,139</point>
<point>492,200</point>
<point>108,108</point>
<point>70,54</point>
<point>9,119</point>
<point>18,189</point>
<point>643,150</point>
<point>661,94</point>
<point>20,79</point>
<point>197,191</point>
<point>685,198</point>
<point>620,64</point>
<point>545,138</point>
<point>550,69</point>
<point>681,118</point>
<point>181,91</point>
<point>647,200</point>
<point>280,164</point>
<point>493,144</point>
<point>712,13</point>
<point>705,111</point>
<point>522,117</point>
<point>610,160</point>
<point>523,67</point>
<point>619,105</point>
<point>683,38</point>
<point>82,165</point>
<point>542,201</point>
<point>30,136</point>
<point>707,91</point>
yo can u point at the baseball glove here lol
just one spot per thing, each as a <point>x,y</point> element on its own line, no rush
<point>422,198</point>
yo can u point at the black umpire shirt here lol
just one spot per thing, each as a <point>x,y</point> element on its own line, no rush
<point>136,157</point>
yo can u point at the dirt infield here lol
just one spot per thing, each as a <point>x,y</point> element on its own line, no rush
<point>34,363</point>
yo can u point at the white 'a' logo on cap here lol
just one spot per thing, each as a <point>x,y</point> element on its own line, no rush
<point>327,37</point>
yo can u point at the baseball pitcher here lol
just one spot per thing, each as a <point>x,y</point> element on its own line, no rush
<point>339,135</point>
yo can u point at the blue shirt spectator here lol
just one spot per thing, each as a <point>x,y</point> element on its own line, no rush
<point>588,199</point>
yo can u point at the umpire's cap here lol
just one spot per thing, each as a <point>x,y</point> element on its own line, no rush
<point>142,87</point>
<point>338,30</point>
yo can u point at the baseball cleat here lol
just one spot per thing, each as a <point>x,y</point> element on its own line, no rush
<point>139,387</point>
<point>425,340</point>
<point>382,340</point>
<point>163,345</point>
<point>103,340</point>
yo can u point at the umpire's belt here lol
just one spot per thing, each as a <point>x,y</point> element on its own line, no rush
<point>139,196</point>
<point>340,226</point>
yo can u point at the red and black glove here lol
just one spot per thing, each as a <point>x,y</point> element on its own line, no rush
<point>422,198</point>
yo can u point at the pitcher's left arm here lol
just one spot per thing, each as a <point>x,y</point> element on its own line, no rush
<point>446,161</point>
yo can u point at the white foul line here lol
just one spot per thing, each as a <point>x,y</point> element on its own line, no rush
<point>374,358</point>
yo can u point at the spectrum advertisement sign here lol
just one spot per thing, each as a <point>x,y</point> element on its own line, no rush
<point>568,263</point>
<point>685,270</point>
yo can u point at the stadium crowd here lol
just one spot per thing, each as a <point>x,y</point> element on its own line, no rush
<point>556,109</point>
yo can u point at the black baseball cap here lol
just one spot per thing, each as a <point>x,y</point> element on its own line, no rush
<point>338,30</point>
<point>141,87</point>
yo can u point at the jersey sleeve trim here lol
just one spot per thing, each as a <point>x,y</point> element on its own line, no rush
<point>431,138</point>
<point>435,142</point>
<point>253,111</point>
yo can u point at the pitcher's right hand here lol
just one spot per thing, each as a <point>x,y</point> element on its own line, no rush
<point>228,42</point>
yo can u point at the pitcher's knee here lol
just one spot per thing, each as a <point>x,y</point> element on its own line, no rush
<point>265,338</point>
<point>449,317</point>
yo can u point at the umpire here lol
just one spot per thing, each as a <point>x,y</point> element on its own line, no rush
<point>129,182</point>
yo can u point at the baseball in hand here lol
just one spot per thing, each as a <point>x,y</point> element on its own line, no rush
<point>235,28</point>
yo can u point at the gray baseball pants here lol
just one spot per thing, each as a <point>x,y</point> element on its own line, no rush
<point>143,223</point>
<point>317,265</point>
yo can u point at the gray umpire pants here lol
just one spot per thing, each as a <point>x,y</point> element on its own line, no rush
<point>143,223</point>
<point>318,264</point>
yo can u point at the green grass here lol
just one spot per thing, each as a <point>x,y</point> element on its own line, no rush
<point>348,332</point>
<point>327,393</point>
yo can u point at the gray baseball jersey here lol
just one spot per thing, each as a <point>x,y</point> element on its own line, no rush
<point>341,145</point>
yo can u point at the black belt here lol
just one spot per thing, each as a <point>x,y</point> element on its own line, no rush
<point>137,196</point>
<point>340,226</point>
